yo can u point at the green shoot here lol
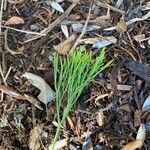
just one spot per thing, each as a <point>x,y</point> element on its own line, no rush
<point>71,75</point>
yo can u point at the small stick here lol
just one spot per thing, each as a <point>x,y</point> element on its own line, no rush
<point>53,24</point>
<point>130,21</point>
<point>24,31</point>
<point>8,72</point>
<point>111,7</point>
<point>82,33</point>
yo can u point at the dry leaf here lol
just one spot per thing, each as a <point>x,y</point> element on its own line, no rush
<point>139,38</point>
<point>56,6</point>
<point>59,144</point>
<point>15,20</point>
<point>64,29</point>
<point>35,134</point>
<point>33,101</point>
<point>121,26</point>
<point>133,145</point>
<point>146,105</point>
<point>11,92</point>
<point>47,94</point>
<point>100,118</point>
<point>64,47</point>
<point>70,122</point>
<point>141,134</point>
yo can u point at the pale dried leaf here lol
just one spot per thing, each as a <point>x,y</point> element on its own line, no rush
<point>64,29</point>
<point>139,38</point>
<point>133,145</point>
<point>59,144</point>
<point>146,105</point>
<point>104,41</point>
<point>47,94</point>
<point>141,134</point>
<point>100,118</point>
<point>56,6</point>
<point>78,27</point>
<point>33,101</point>
<point>121,26</point>
<point>34,141</point>
<point>64,47</point>
<point>11,92</point>
<point>15,20</point>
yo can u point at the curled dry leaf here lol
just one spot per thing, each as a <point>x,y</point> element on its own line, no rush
<point>133,145</point>
<point>11,92</point>
<point>121,26</point>
<point>35,134</point>
<point>60,144</point>
<point>33,101</point>
<point>141,133</point>
<point>15,20</point>
<point>47,94</point>
<point>64,47</point>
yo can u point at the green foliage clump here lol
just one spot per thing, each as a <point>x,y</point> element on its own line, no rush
<point>71,75</point>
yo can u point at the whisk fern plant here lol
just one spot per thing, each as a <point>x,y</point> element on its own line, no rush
<point>71,75</point>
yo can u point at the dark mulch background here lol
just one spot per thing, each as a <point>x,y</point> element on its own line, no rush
<point>122,107</point>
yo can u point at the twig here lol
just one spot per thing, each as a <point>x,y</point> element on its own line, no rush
<point>101,23</point>
<point>82,33</point>
<point>24,31</point>
<point>111,7</point>
<point>54,24</point>
<point>1,12</point>
<point>130,21</point>
<point>8,72</point>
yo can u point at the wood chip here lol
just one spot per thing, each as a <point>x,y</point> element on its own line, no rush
<point>100,118</point>
<point>121,26</point>
<point>137,118</point>
<point>64,47</point>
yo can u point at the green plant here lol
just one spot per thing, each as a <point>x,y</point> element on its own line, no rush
<point>71,75</point>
